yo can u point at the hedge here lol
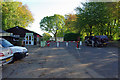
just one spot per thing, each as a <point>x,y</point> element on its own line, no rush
<point>71,37</point>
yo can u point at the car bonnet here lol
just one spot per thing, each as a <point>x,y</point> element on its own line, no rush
<point>18,49</point>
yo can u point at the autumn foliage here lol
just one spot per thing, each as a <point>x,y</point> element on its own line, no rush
<point>15,14</point>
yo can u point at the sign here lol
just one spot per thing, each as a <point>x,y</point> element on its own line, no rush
<point>29,33</point>
<point>52,38</point>
<point>5,34</point>
<point>60,39</point>
<point>43,43</point>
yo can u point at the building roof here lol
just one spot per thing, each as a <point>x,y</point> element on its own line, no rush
<point>21,31</point>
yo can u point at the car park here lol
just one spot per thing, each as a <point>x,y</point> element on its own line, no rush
<point>18,52</point>
<point>6,54</point>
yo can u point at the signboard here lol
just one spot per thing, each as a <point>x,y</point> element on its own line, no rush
<point>52,38</point>
<point>5,34</point>
<point>29,33</point>
<point>60,39</point>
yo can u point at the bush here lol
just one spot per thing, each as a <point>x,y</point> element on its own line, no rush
<point>71,37</point>
<point>46,36</point>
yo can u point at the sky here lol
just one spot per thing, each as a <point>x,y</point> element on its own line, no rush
<point>43,8</point>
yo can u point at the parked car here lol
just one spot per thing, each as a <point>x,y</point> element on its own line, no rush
<point>96,41</point>
<point>6,54</point>
<point>88,40</point>
<point>18,52</point>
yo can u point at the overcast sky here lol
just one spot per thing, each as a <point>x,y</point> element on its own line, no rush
<point>43,8</point>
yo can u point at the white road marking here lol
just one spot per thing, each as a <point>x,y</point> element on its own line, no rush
<point>78,52</point>
<point>94,74</point>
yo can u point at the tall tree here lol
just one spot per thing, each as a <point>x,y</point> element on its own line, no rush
<point>15,14</point>
<point>69,25</point>
<point>92,14</point>
<point>112,25</point>
<point>52,24</point>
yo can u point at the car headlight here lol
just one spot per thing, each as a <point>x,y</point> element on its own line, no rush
<point>24,50</point>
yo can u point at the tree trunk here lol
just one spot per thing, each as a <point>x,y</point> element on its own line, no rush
<point>78,32</point>
<point>90,30</point>
<point>102,29</point>
<point>110,33</point>
<point>55,35</point>
<point>108,29</point>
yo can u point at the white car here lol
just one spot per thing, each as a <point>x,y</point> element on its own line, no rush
<point>6,54</point>
<point>18,52</point>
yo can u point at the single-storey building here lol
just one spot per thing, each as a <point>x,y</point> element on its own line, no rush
<point>28,37</point>
<point>7,36</point>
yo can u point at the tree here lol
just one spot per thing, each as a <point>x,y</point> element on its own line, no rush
<point>15,14</point>
<point>113,24</point>
<point>52,24</point>
<point>70,22</point>
<point>92,14</point>
<point>46,36</point>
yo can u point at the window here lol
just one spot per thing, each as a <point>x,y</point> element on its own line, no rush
<point>5,43</point>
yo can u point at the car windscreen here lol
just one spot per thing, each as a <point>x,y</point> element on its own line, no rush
<point>6,43</point>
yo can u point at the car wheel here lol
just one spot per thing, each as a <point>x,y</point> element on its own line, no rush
<point>93,45</point>
<point>86,44</point>
<point>96,45</point>
<point>105,45</point>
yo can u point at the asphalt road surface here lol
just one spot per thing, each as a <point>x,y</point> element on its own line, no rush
<point>104,60</point>
<point>65,62</point>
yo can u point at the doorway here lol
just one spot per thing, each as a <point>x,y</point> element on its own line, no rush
<point>29,40</point>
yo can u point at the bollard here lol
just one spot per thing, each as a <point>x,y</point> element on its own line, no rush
<point>67,44</point>
<point>48,44</point>
<point>77,45</point>
<point>80,43</point>
<point>57,44</point>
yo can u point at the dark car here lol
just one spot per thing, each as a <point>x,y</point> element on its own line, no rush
<point>96,41</point>
<point>88,40</point>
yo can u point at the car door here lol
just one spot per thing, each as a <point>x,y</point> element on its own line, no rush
<point>6,51</point>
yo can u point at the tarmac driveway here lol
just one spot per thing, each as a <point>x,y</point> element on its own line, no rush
<point>49,62</point>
